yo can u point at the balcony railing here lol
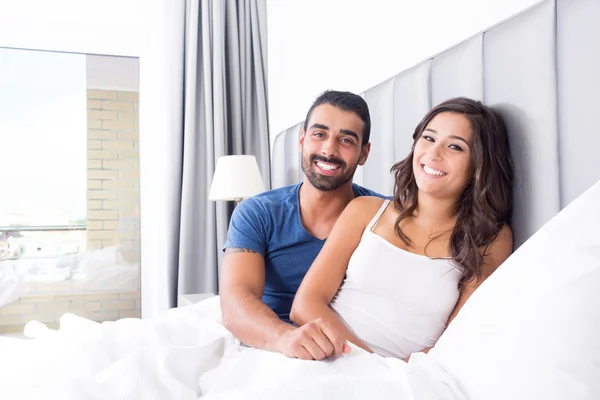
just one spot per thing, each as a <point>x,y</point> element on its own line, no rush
<point>55,259</point>
<point>16,239</point>
<point>41,228</point>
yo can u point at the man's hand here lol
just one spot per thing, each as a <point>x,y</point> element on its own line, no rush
<point>315,340</point>
<point>422,351</point>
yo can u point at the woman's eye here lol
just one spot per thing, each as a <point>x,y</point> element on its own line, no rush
<point>428,138</point>
<point>455,147</point>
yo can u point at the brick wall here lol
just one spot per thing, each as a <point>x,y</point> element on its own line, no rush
<point>48,309</point>
<point>113,172</point>
<point>113,219</point>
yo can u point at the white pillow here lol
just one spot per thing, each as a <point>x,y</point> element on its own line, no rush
<point>532,330</point>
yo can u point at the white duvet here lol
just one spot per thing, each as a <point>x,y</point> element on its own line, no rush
<point>188,354</point>
<point>530,332</point>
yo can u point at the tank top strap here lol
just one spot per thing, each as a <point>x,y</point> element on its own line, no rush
<point>378,215</point>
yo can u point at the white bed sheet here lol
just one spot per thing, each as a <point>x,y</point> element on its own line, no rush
<point>188,354</point>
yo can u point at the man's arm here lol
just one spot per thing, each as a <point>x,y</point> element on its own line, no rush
<point>255,324</point>
<point>241,289</point>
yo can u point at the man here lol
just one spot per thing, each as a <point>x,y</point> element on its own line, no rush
<point>274,237</point>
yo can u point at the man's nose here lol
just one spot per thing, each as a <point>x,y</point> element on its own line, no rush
<point>329,148</point>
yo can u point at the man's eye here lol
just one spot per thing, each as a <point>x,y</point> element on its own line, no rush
<point>347,141</point>
<point>319,134</point>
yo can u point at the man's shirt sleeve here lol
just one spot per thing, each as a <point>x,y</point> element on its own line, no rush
<point>248,227</point>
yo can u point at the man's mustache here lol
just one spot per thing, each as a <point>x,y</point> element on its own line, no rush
<point>330,160</point>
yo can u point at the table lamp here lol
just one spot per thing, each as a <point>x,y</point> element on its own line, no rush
<point>236,178</point>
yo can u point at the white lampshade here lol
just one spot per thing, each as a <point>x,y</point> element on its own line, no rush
<point>236,178</point>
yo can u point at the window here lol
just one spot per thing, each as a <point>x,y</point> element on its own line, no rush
<point>69,208</point>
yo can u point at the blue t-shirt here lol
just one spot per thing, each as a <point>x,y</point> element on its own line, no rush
<point>270,224</point>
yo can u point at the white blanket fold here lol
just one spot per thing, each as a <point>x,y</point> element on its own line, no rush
<point>188,354</point>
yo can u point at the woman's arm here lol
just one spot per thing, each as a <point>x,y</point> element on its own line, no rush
<point>497,253</point>
<point>327,272</point>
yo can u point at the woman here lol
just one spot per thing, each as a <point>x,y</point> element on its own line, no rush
<point>393,274</point>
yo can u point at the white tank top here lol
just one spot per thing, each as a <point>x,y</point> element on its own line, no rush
<point>395,301</point>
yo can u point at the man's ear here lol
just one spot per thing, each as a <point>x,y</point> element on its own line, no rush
<point>364,154</point>
<point>301,141</point>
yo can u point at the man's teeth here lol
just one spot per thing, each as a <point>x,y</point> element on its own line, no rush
<point>327,167</point>
<point>432,171</point>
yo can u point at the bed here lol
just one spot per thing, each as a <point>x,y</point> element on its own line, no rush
<point>532,331</point>
<point>540,70</point>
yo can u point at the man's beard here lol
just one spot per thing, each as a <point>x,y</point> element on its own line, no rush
<point>323,182</point>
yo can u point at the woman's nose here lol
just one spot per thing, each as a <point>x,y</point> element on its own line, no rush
<point>434,153</point>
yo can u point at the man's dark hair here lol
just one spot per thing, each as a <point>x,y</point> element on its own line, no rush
<point>348,102</point>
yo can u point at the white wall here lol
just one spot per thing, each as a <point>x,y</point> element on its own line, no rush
<point>314,45</point>
<point>148,29</point>
<point>113,73</point>
<point>102,27</point>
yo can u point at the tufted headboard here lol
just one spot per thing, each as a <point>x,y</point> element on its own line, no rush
<point>540,69</point>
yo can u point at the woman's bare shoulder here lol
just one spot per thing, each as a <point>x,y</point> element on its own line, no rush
<point>502,245</point>
<point>365,206</point>
<point>498,251</point>
<point>358,213</point>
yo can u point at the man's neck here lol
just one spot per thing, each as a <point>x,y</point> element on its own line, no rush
<point>330,202</point>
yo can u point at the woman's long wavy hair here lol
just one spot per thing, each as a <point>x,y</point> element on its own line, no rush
<point>486,204</point>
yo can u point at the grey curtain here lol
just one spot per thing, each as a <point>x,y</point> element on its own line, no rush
<point>224,113</point>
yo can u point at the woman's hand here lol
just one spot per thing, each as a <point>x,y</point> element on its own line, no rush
<point>314,340</point>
